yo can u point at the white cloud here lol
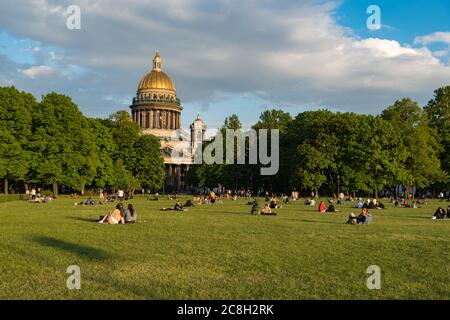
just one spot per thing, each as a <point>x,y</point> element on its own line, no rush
<point>290,53</point>
<point>36,71</point>
<point>436,37</point>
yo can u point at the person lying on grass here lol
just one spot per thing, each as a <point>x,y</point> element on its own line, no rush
<point>267,211</point>
<point>114,217</point>
<point>177,207</point>
<point>89,202</point>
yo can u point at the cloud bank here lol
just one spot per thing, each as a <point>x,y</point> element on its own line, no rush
<point>288,54</point>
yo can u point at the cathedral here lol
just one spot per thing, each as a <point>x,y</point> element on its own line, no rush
<point>156,109</point>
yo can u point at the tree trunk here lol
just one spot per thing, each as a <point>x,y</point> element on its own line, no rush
<point>376,193</point>
<point>55,189</point>
<point>5,185</point>
<point>405,190</point>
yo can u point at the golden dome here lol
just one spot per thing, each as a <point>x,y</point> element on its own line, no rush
<point>156,79</point>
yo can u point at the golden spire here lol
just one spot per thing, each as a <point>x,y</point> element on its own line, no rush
<point>157,61</point>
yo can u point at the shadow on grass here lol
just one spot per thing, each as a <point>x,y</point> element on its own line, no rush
<point>418,217</point>
<point>83,219</point>
<point>314,221</point>
<point>86,252</point>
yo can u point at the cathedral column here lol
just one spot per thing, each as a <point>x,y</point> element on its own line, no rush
<point>166,119</point>
<point>169,125</point>
<point>158,119</point>
<point>144,116</point>
<point>150,122</point>
<point>139,118</point>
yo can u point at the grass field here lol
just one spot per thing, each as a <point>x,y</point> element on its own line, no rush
<point>221,252</point>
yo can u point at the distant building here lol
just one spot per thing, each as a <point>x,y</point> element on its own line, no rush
<point>157,111</point>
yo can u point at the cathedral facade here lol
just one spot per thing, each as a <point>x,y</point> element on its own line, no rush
<point>156,109</point>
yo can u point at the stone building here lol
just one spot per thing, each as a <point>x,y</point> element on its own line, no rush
<point>157,110</point>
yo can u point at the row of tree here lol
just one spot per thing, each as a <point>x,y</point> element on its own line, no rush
<point>328,152</point>
<point>51,143</point>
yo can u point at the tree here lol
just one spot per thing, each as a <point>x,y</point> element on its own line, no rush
<point>309,150</point>
<point>148,165</point>
<point>438,113</point>
<point>15,132</point>
<point>105,149</point>
<point>125,133</point>
<point>64,143</point>
<point>123,178</point>
<point>422,148</point>
<point>278,120</point>
<point>273,119</point>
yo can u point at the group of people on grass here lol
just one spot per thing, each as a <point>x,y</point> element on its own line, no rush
<point>330,208</point>
<point>120,215</point>
<point>35,196</point>
<point>363,218</point>
<point>266,210</point>
<point>370,204</point>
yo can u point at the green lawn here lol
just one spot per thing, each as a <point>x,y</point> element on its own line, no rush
<point>221,252</point>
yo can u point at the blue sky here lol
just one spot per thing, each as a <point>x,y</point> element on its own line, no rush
<point>229,56</point>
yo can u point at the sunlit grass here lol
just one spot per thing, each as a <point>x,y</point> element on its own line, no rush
<point>221,252</point>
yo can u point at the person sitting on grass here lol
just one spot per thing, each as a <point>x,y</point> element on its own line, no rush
<point>188,204</point>
<point>177,207</point>
<point>380,205</point>
<point>130,214</point>
<point>212,197</point>
<point>114,217</point>
<point>267,211</point>
<point>273,203</point>
<point>322,207</point>
<point>439,214</point>
<point>352,219</point>
<point>331,207</point>
<point>255,208</point>
<point>365,217</point>
<point>359,205</point>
